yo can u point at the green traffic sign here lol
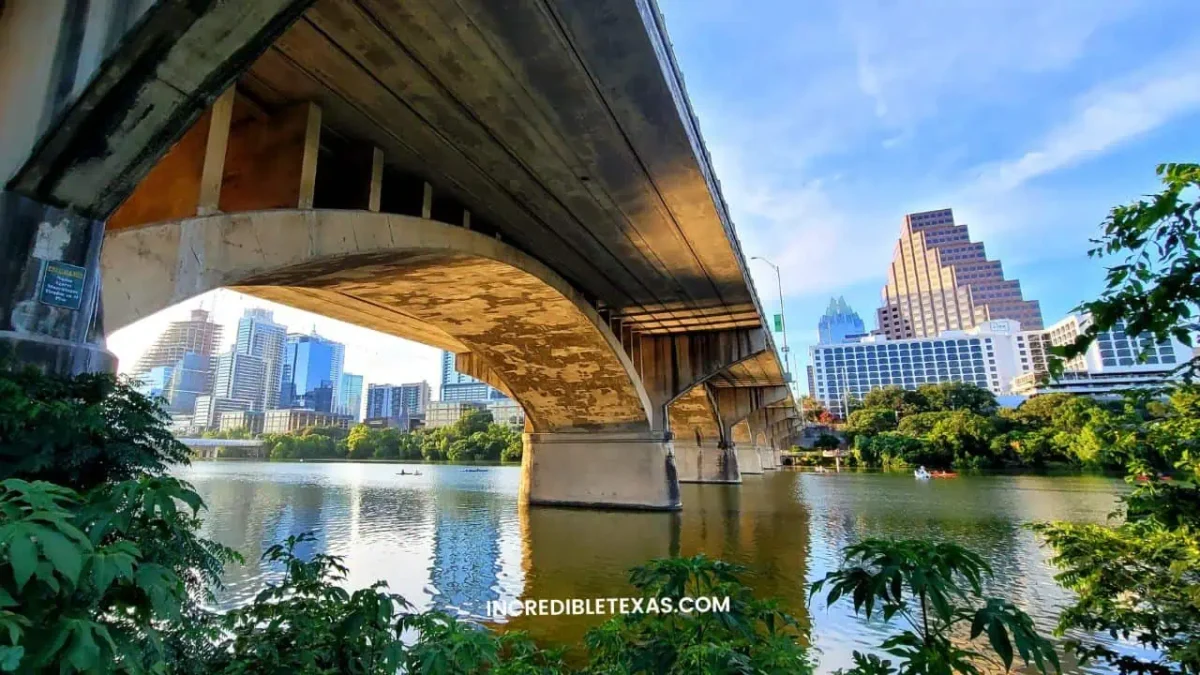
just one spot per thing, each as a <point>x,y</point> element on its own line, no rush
<point>778,323</point>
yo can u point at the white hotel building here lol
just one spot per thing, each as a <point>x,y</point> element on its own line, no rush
<point>996,355</point>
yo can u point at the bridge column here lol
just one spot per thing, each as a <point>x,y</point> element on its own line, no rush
<point>762,440</point>
<point>599,469</point>
<point>703,452</point>
<point>749,459</point>
<point>50,288</point>
<point>735,407</point>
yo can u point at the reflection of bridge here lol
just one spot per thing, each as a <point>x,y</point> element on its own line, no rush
<point>524,186</point>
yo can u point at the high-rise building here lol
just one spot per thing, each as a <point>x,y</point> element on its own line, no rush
<point>459,387</point>
<point>191,376</point>
<point>940,280</point>
<point>985,355</point>
<point>156,381</point>
<point>209,409</point>
<point>447,413</point>
<point>840,324</point>
<point>397,401</point>
<point>350,396</point>
<point>258,335</point>
<point>197,335</point>
<point>1113,362</point>
<point>996,355</point>
<point>312,372</point>
<point>240,377</point>
<point>284,420</point>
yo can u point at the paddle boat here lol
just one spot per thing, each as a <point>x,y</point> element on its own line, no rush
<point>924,474</point>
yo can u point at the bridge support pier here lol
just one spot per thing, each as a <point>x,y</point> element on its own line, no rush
<point>699,464</point>
<point>768,456</point>
<point>50,288</point>
<point>618,470</point>
<point>750,460</point>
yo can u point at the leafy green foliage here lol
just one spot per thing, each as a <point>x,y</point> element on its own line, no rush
<point>80,432</point>
<point>935,589</point>
<point>827,442</point>
<point>1140,579</point>
<point>870,421</point>
<point>473,438</point>
<point>101,572</point>
<point>753,636</point>
<point>1156,286</point>
<point>308,623</point>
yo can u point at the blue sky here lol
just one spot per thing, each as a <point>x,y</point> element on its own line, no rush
<point>828,121</point>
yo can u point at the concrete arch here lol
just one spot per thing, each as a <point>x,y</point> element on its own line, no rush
<point>411,277</point>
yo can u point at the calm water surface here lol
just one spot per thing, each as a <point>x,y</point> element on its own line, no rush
<point>455,538</point>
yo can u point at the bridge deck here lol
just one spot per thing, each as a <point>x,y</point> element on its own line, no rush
<point>564,122</point>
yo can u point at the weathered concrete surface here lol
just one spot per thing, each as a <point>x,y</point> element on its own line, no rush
<point>598,469</point>
<point>768,457</point>
<point>165,72</point>
<point>747,454</point>
<point>749,459</point>
<point>56,336</point>
<point>406,276</point>
<point>703,451</point>
<point>699,464</point>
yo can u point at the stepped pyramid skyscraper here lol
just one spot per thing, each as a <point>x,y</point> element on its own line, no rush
<point>941,280</point>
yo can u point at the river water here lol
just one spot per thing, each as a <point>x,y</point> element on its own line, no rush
<point>455,538</point>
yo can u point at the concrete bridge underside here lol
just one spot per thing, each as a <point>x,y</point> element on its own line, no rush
<point>523,185</point>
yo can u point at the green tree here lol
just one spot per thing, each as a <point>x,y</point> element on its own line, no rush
<point>473,421</point>
<point>435,444</point>
<point>871,421</point>
<point>361,443</point>
<point>904,401</point>
<point>827,442</point>
<point>952,396</point>
<point>895,450</point>
<point>965,436</point>
<point>921,424</point>
<point>1140,578</point>
<point>1039,412</point>
<point>752,636</point>
<point>1156,287</point>
<point>935,589</point>
<point>101,569</point>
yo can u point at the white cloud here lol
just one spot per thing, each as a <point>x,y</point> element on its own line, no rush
<point>1105,118</point>
<point>913,55</point>
<point>819,241</point>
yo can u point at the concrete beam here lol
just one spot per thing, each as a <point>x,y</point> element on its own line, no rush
<point>671,365</point>
<point>393,273</point>
<point>179,57</point>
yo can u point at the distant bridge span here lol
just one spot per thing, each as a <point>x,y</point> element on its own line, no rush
<point>524,185</point>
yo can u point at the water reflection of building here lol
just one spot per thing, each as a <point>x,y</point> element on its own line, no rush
<point>466,552</point>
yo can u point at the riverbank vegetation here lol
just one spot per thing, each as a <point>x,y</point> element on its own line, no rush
<point>475,437</point>
<point>899,428</point>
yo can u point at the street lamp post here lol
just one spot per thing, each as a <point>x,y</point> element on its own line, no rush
<point>787,363</point>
